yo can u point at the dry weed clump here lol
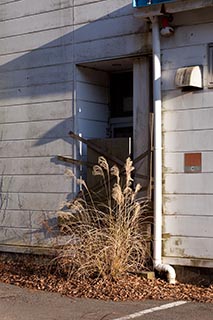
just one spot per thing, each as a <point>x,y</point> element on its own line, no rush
<point>105,237</point>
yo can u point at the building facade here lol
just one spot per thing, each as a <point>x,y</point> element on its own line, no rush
<point>86,66</point>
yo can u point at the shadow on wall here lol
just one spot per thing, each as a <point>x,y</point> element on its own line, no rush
<point>40,80</point>
<point>45,74</point>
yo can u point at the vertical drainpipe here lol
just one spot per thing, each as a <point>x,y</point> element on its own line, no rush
<point>157,254</point>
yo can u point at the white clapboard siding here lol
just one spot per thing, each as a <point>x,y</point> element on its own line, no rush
<point>187,127</point>
<point>92,102</point>
<point>118,46</point>
<point>92,93</point>
<point>188,119</point>
<point>37,58</point>
<point>38,201</point>
<point>188,247</point>
<point>192,55</point>
<point>36,94</point>
<point>27,237</point>
<point>34,23</point>
<point>36,130</point>
<point>21,8</point>
<point>91,76</point>
<point>103,29</point>
<point>26,219</point>
<point>8,1</point>
<point>187,226</point>
<point>195,183</point>
<point>174,162</point>
<point>188,204</point>
<point>100,111</point>
<point>178,100</point>
<point>35,183</point>
<point>43,95</point>
<point>189,36</point>
<point>32,166</point>
<point>92,105</point>
<point>38,76</point>
<point>203,15</point>
<point>33,148</point>
<point>92,128</point>
<point>56,110</point>
<point>188,141</point>
<point>32,41</point>
<point>195,262</point>
<point>98,10</point>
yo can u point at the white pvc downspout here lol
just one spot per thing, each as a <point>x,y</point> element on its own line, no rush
<point>157,254</point>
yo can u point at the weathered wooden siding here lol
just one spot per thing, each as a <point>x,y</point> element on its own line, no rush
<point>41,94</point>
<point>187,128</point>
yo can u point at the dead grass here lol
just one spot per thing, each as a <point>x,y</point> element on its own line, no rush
<point>106,237</point>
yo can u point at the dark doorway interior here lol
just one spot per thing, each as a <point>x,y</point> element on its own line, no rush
<point>121,104</point>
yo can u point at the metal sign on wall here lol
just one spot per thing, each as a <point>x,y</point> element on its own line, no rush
<point>143,3</point>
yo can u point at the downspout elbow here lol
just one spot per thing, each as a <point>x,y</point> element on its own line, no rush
<point>169,270</point>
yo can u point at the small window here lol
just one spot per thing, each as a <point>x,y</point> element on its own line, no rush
<point>210,65</point>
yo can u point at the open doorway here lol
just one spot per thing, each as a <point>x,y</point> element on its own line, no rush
<point>113,102</point>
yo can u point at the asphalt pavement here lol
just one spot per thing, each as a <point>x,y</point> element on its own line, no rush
<point>26,304</point>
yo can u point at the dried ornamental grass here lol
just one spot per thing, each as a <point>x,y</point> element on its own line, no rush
<point>106,238</point>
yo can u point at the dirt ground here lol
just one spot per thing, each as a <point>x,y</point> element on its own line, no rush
<point>40,273</point>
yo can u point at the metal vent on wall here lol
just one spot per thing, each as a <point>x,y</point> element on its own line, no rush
<point>189,77</point>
